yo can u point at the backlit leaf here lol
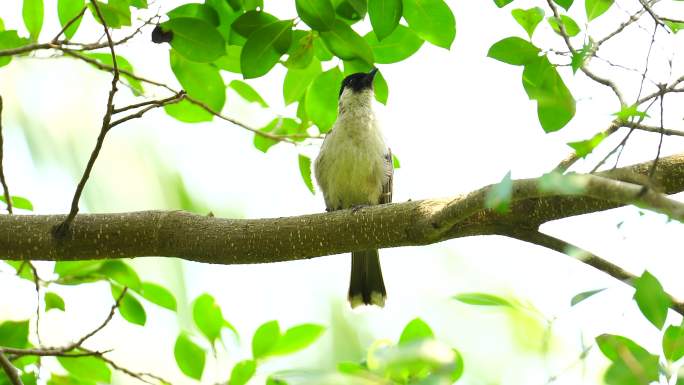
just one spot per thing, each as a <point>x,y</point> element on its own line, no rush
<point>432,20</point>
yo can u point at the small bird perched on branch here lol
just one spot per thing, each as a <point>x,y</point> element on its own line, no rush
<point>354,169</point>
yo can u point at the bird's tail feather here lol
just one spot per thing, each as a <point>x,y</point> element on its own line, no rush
<point>366,285</point>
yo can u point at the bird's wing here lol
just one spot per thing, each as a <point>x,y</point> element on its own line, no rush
<point>387,187</point>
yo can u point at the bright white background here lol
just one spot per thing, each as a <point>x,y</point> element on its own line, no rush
<point>456,119</point>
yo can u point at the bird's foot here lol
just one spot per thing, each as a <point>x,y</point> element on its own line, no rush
<point>356,208</point>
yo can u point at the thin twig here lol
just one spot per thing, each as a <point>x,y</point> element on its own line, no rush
<point>660,143</point>
<point>69,24</point>
<point>5,189</point>
<point>36,282</point>
<point>655,17</point>
<point>150,105</point>
<point>137,375</point>
<point>632,18</point>
<point>10,370</point>
<point>62,228</point>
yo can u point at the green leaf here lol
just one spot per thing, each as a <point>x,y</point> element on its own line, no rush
<point>23,269</point>
<point>502,3</point>
<point>77,268</point>
<point>652,299</point>
<point>384,16</point>
<point>129,307</point>
<point>351,10</point>
<point>529,19</point>
<point>32,12</point>
<point>231,60</point>
<point>140,4</point>
<point>305,171</point>
<point>87,368</point>
<point>121,273</point>
<point>2,25</point>
<point>208,317</point>
<point>628,112</point>
<point>297,338</point>
<point>198,11</point>
<point>158,295</point>
<point>459,366</point>
<point>321,99</point>
<point>584,295</point>
<point>631,363</point>
<point>555,104</point>
<point>251,21</point>
<point>514,50</point>
<point>320,50</point>
<point>56,379</point>
<point>585,147</point>
<point>571,27</point>
<point>18,202</point>
<point>432,20</point>
<point>398,46</point>
<point>201,81</point>
<point>395,161</point>
<point>344,42</point>
<point>190,358</point>
<point>116,13</point>
<point>596,8</point>
<point>278,126</point>
<point>247,92</point>
<point>264,48</point>
<point>195,39</point>
<point>556,182</point>
<point>264,339</point>
<point>252,4</point>
<point>123,64</point>
<point>318,14</point>
<point>579,57</point>
<point>675,26</point>
<point>53,301</point>
<point>66,11</point>
<point>8,40</point>
<point>226,16</point>
<point>352,368</point>
<point>297,81</point>
<point>482,299</point>
<point>564,3</point>
<point>499,196</point>
<point>14,334</point>
<point>301,53</point>
<point>673,343</point>
<point>416,330</point>
<point>242,372</point>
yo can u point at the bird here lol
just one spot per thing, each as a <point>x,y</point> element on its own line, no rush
<point>354,169</point>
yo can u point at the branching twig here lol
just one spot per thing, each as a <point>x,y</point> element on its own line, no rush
<point>5,189</point>
<point>69,23</point>
<point>150,105</point>
<point>137,375</point>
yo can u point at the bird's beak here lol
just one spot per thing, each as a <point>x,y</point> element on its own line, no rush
<point>372,73</point>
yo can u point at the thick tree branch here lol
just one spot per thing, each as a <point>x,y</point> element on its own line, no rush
<point>243,241</point>
<point>10,370</point>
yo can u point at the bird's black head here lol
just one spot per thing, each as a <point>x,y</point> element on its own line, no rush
<point>359,81</point>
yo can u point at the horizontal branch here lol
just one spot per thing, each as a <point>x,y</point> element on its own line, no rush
<point>243,241</point>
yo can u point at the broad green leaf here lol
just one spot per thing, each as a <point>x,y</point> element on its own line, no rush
<point>398,46</point>
<point>305,171</point>
<point>297,81</point>
<point>344,42</point>
<point>247,93</point>
<point>297,338</point>
<point>555,104</point>
<point>675,26</point>
<point>2,25</point>
<point>529,19</point>
<point>18,202</point>
<point>123,64</point>
<point>264,48</point>
<point>416,330</point>
<point>318,14</point>
<point>201,81</point>
<point>278,126</point>
<point>321,52</point>
<point>432,20</point>
<point>502,3</point>
<point>596,8</point>
<point>652,299</point>
<point>158,295</point>
<point>116,13</point>
<point>249,5</point>
<point>584,295</point>
<point>190,358</point>
<point>301,52</point>
<point>321,99</point>
<point>226,16</point>
<point>264,339</point>
<point>66,11</point>
<point>351,10</point>
<point>14,334</point>
<point>242,372</point>
<point>631,363</point>
<point>571,27</point>
<point>53,301</point>
<point>459,366</point>
<point>482,299</point>
<point>499,196</point>
<point>579,57</point>
<point>614,346</point>
<point>384,16</point>
<point>208,317</point>
<point>347,367</point>
<point>585,147</point>
<point>231,60</point>
<point>252,21</point>
<point>195,39</point>
<point>564,3</point>
<point>8,40</point>
<point>395,161</point>
<point>557,182</point>
<point>514,50</point>
<point>121,273</point>
<point>197,11</point>
<point>628,112</point>
<point>129,307</point>
<point>673,343</point>
<point>87,368</point>
<point>75,268</point>
<point>32,11</point>
<point>140,4</point>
